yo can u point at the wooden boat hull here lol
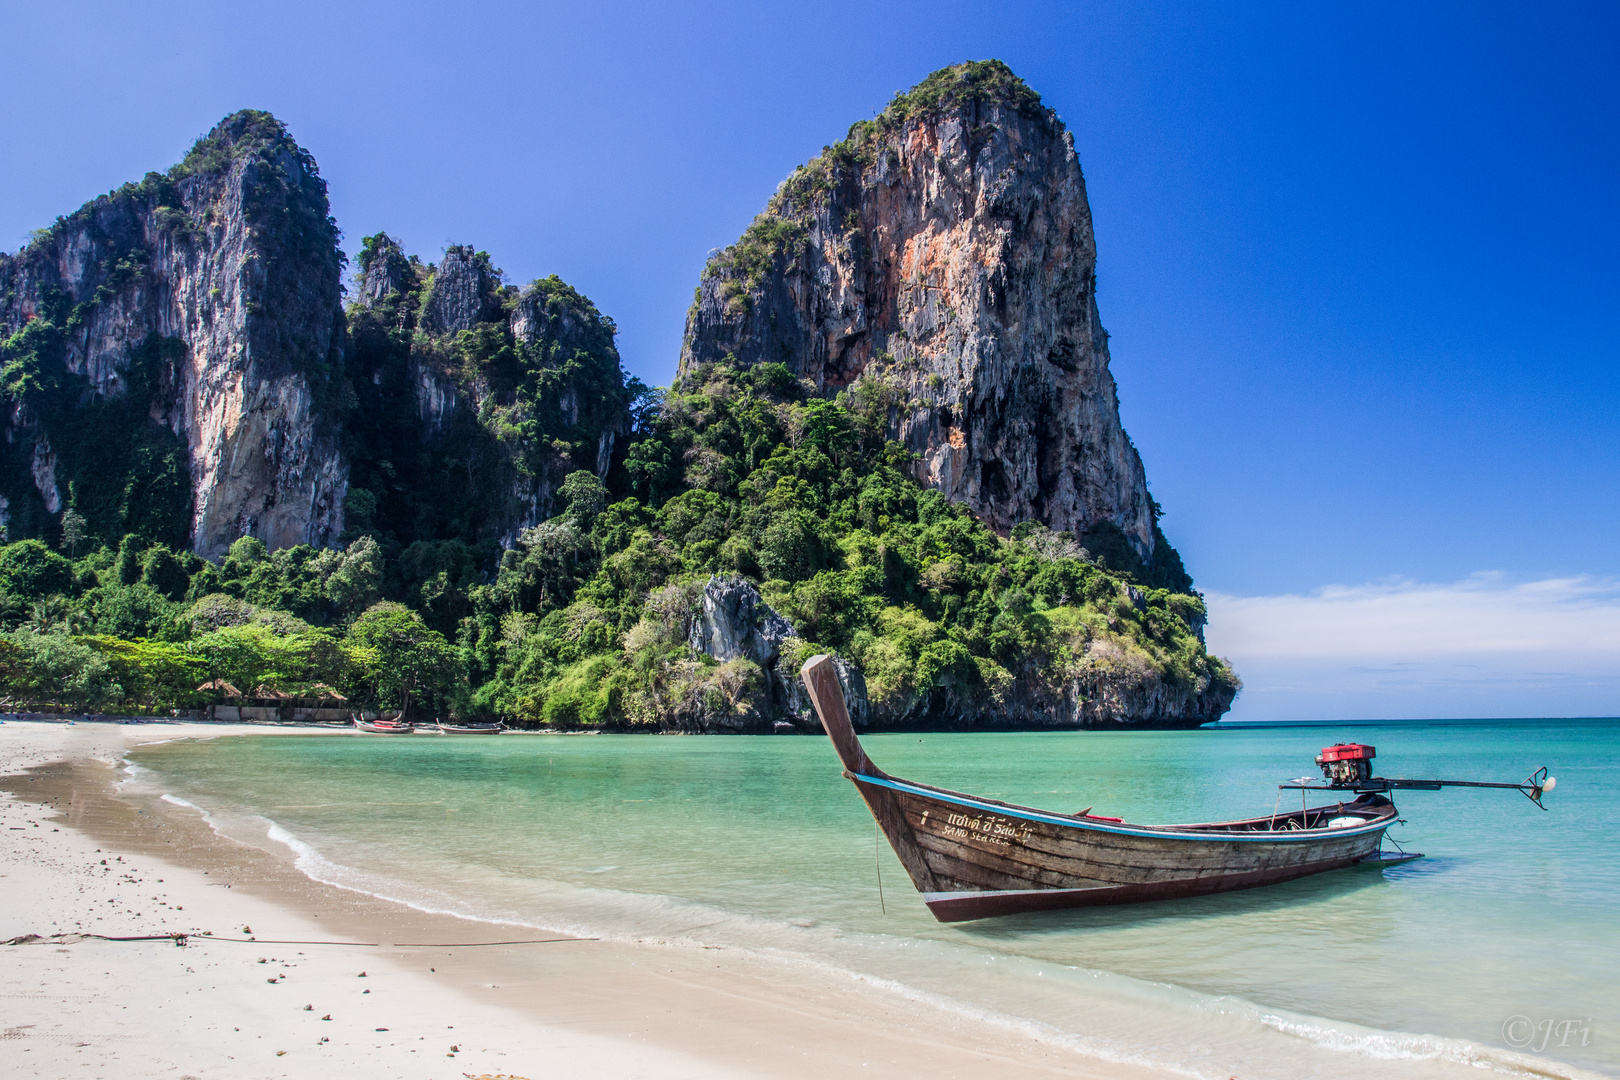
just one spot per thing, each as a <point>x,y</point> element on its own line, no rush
<point>972,858</point>
<point>374,729</point>
<point>456,729</point>
<point>981,858</point>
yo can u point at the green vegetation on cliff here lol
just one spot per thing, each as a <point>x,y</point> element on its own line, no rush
<point>515,401</point>
<point>584,620</point>
<point>119,470</point>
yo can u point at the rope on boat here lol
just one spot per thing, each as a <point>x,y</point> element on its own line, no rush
<point>182,939</point>
<point>877,858</point>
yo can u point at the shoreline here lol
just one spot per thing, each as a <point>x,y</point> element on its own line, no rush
<point>566,1007</point>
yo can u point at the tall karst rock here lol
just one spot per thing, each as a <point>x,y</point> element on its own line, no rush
<point>178,363</point>
<point>171,353</point>
<point>475,399</point>
<point>943,254</point>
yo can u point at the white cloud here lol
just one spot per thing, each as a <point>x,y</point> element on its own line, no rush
<point>1485,646</point>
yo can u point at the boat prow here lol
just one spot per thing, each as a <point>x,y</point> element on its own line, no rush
<point>974,857</point>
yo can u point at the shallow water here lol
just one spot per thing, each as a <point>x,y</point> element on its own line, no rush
<point>759,843</point>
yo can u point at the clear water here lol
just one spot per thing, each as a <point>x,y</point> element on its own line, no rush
<point>759,843</point>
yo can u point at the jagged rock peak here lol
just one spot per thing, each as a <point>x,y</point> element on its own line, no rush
<point>186,332</point>
<point>942,255</point>
<point>466,291</point>
<point>383,269</point>
<point>535,394</point>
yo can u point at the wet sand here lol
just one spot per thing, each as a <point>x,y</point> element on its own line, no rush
<point>80,855</point>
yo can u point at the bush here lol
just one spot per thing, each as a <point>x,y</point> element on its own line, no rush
<point>29,570</point>
<point>587,694</point>
<point>56,669</point>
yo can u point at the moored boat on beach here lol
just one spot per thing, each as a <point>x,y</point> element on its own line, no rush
<point>385,727</point>
<point>974,857</point>
<point>469,729</point>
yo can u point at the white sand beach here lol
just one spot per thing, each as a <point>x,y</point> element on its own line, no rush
<point>78,856</point>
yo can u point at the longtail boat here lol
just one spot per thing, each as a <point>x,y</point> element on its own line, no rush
<point>385,727</point>
<point>469,729</point>
<point>973,857</point>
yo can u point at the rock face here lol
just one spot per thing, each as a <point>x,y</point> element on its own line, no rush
<point>944,256</point>
<point>1105,689</point>
<point>733,622</point>
<point>175,344</point>
<point>178,363</point>
<point>476,398</point>
<point>802,713</point>
<point>466,291</point>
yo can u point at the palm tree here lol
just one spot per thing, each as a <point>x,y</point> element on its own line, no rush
<point>55,613</point>
<point>46,613</point>
<point>12,610</point>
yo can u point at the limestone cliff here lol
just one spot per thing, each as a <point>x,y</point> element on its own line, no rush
<point>731,622</point>
<point>934,275</point>
<point>178,363</point>
<point>475,398</point>
<point>170,352</point>
<point>943,256</point>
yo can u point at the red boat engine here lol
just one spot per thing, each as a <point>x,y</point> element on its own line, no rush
<point>1347,763</point>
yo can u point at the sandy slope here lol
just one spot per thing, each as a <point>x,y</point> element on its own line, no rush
<point>77,855</point>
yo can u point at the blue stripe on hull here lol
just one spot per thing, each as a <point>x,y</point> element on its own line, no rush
<point>1166,832</point>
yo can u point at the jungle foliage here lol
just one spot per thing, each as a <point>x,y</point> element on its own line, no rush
<point>584,620</point>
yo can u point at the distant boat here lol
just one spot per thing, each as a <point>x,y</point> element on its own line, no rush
<point>385,727</point>
<point>470,729</point>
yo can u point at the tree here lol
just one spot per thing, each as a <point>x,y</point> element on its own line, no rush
<point>164,572</point>
<point>551,554</point>
<point>403,658</point>
<point>243,656</point>
<point>156,674</point>
<point>585,496</point>
<point>128,611</point>
<point>72,530</point>
<point>56,668</point>
<point>31,570</point>
<point>55,613</point>
<point>791,551</point>
<point>357,581</point>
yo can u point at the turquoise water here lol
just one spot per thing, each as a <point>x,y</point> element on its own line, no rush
<point>759,843</point>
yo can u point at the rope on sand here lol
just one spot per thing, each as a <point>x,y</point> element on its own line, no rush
<point>182,939</point>
<point>481,944</point>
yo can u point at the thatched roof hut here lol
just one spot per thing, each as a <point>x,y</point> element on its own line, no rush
<point>321,692</point>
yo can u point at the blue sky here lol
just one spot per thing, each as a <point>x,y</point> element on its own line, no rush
<point>1357,262</point>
